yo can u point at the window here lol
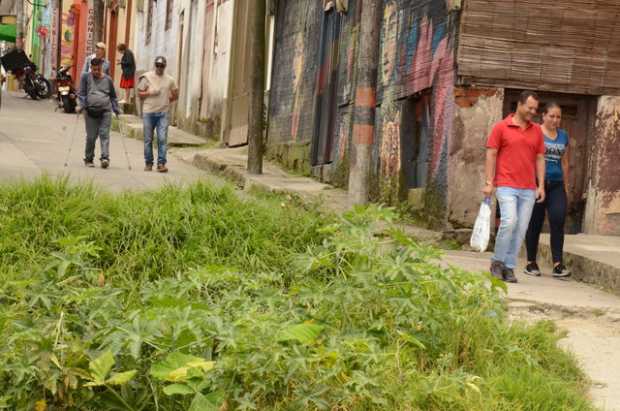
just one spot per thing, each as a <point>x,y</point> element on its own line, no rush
<point>149,20</point>
<point>169,4</point>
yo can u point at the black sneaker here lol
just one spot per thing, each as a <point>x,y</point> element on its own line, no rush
<point>89,164</point>
<point>560,271</point>
<point>532,269</point>
<point>497,267</point>
<point>105,163</point>
<point>509,275</point>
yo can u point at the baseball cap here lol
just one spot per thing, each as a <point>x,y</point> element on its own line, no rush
<point>160,60</point>
<point>100,45</point>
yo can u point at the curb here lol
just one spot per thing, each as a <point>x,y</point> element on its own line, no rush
<point>587,270</point>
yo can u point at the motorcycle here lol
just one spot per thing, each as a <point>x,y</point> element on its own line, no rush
<point>65,92</point>
<point>34,84</point>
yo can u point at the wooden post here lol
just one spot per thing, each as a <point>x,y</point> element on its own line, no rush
<point>257,93</point>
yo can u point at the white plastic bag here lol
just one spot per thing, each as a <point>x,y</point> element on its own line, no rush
<point>482,227</point>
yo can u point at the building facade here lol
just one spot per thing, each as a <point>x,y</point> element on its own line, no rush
<point>449,70</point>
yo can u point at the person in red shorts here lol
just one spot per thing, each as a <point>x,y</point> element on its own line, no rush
<point>128,67</point>
<point>515,165</point>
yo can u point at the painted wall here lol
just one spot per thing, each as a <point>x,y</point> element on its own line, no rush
<point>218,30</point>
<point>82,45</point>
<point>417,54</point>
<point>122,16</point>
<point>295,69</point>
<point>163,42</point>
<point>190,85</point>
<point>603,204</point>
<point>296,80</point>
<point>417,61</point>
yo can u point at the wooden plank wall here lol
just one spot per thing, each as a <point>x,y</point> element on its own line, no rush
<point>570,46</point>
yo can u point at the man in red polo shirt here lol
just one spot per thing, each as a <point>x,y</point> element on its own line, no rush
<point>515,163</point>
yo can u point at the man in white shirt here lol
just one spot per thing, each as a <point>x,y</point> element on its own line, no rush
<point>157,91</point>
<point>100,54</point>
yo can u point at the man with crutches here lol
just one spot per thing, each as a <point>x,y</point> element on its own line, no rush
<point>98,100</point>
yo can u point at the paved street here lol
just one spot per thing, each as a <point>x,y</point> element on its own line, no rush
<point>34,139</point>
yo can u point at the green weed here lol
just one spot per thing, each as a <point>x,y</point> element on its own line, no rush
<point>193,299</point>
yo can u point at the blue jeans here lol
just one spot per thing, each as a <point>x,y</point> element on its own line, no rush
<point>515,207</point>
<point>154,121</point>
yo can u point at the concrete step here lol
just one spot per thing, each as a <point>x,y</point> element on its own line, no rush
<point>132,127</point>
<point>592,259</point>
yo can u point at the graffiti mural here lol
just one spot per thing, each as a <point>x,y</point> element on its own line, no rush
<point>70,20</point>
<point>417,58</point>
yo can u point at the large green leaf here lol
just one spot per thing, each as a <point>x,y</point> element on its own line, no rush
<point>180,389</point>
<point>100,367</point>
<point>121,378</point>
<point>176,366</point>
<point>305,333</point>
<point>211,402</point>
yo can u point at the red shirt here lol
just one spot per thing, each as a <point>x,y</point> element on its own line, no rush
<point>517,150</point>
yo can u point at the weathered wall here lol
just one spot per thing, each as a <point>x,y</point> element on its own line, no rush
<point>216,65</point>
<point>190,84</point>
<point>603,204</point>
<point>295,68</point>
<point>417,56</point>
<point>477,110</point>
<point>163,42</point>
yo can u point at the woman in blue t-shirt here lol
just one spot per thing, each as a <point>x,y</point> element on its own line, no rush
<point>556,164</point>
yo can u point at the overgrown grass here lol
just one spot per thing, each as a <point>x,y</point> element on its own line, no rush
<point>194,299</point>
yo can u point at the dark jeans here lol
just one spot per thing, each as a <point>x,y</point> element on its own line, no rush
<point>152,122</point>
<point>555,206</point>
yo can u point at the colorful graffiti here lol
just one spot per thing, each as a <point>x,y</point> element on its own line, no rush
<point>70,19</point>
<point>417,57</point>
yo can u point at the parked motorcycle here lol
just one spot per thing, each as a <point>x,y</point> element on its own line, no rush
<point>34,84</point>
<point>65,92</point>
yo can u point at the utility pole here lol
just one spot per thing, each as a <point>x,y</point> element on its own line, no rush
<point>19,12</point>
<point>365,100</point>
<point>257,93</point>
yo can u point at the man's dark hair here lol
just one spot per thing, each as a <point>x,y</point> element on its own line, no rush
<point>122,47</point>
<point>525,94</point>
<point>96,62</point>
